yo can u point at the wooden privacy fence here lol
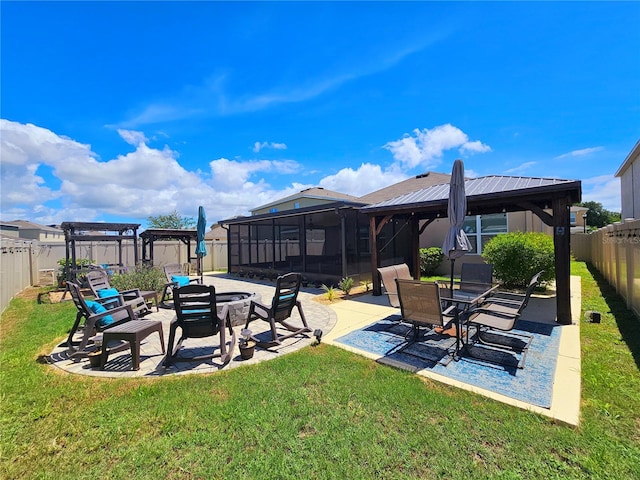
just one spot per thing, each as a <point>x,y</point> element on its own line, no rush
<point>29,262</point>
<point>615,251</point>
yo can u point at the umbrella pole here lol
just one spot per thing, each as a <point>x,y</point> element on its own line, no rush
<point>453,261</point>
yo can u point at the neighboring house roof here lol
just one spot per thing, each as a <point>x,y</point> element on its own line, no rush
<point>27,225</point>
<point>313,193</point>
<point>216,233</point>
<point>412,184</point>
<point>477,189</point>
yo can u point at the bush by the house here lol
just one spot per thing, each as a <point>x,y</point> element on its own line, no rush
<point>518,256</point>
<point>430,260</point>
<point>142,277</point>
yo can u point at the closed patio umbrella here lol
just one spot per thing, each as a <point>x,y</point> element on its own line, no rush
<point>201,248</point>
<point>456,243</point>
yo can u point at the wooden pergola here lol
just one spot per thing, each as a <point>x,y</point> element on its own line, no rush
<point>152,235</point>
<point>96,232</point>
<point>486,195</point>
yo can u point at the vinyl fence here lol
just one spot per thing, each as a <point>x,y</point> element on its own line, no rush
<point>29,262</point>
<point>615,251</point>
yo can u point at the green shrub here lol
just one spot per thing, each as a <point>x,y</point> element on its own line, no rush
<point>518,256</point>
<point>430,259</point>
<point>330,292</point>
<point>346,284</point>
<point>142,277</point>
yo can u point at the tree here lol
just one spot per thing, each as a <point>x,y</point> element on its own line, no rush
<point>598,216</point>
<point>173,221</point>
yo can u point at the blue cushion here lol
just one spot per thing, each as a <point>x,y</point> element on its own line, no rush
<point>107,292</point>
<point>95,307</point>
<point>180,280</point>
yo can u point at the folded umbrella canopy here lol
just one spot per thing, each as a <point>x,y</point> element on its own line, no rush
<point>456,243</point>
<point>201,248</point>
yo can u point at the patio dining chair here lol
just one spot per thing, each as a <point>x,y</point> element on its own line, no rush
<point>421,306</point>
<point>497,315</point>
<point>197,317</point>
<point>476,277</point>
<point>97,318</point>
<point>280,310</point>
<point>176,277</point>
<point>388,276</point>
<point>509,303</point>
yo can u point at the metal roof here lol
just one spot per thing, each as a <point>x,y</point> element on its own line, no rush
<point>494,189</point>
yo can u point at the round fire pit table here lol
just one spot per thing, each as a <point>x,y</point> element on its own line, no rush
<point>238,304</point>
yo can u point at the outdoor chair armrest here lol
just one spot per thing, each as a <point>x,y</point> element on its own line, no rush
<point>132,292</point>
<point>252,310</point>
<point>112,302</point>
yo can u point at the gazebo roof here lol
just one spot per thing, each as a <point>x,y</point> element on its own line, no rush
<point>493,193</point>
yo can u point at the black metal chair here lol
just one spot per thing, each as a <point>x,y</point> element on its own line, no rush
<point>197,317</point>
<point>500,314</point>
<point>284,300</point>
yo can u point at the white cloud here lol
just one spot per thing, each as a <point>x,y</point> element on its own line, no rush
<point>276,146</point>
<point>425,148</point>
<point>604,189</point>
<point>520,169</point>
<point>365,179</point>
<point>132,137</point>
<point>580,153</point>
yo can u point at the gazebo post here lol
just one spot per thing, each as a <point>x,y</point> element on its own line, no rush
<point>375,278</point>
<point>562,251</point>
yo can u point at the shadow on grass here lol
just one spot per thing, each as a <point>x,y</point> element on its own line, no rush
<point>627,322</point>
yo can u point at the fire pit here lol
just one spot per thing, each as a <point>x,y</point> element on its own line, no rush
<point>238,304</point>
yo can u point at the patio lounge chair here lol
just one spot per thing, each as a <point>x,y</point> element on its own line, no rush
<point>497,315</point>
<point>285,298</point>
<point>96,317</point>
<point>197,317</point>
<point>98,281</point>
<point>175,278</point>
<point>388,276</point>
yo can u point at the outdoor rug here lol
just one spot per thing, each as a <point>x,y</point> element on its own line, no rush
<point>533,384</point>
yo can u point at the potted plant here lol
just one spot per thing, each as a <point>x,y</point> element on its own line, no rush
<point>247,344</point>
<point>94,355</point>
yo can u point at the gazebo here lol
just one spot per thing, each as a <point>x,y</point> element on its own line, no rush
<point>485,195</point>
<point>96,232</point>
<point>152,235</point>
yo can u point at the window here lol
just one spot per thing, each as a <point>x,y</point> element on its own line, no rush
<point>296,205</point>
<point>273,210</point>
<point>482,228</point>
<point>572,219</point>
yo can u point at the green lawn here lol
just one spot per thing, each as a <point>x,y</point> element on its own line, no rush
<point>318,413</point>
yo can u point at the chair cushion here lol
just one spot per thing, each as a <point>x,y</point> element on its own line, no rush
<point>95,307</point>
<point>108,292</point>
<point>180,280</point>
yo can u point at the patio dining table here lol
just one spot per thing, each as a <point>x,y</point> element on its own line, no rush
<point>462,301</point>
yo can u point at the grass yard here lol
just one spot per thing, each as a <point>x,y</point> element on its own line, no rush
<point>321,412</point>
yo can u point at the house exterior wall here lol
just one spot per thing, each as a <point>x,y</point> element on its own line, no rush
<point>630,195</point>
<point>629,174</point>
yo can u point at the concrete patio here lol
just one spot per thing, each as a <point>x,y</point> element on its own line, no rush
<point>336,320</point>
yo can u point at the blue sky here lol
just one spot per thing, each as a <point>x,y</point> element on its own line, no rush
<point>116,111</point>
